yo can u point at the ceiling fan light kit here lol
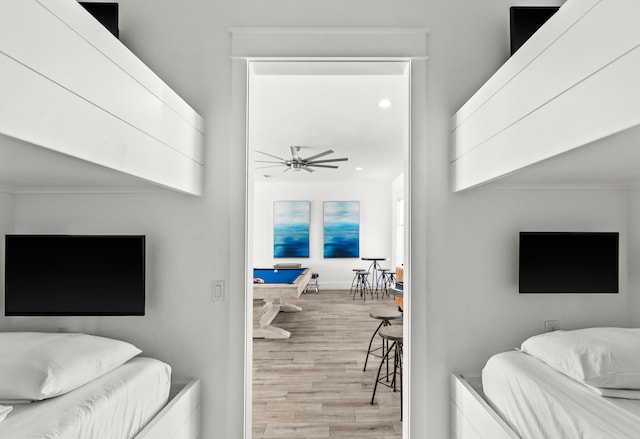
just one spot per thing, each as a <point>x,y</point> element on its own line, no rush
<point>297,163</point>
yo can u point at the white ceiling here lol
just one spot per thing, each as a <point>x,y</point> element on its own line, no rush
<point>329,105</point>
<point>614,160</point>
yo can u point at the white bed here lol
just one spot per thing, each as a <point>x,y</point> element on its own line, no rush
<point>116,405</point>
<point>540,402</point>
<point>79,386</point>
<point>553,388</point>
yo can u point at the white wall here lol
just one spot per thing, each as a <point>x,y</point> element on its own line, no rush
<point>6,213</point>
<point>474,268</point>
<point>633,246</point>
<point>466,290</point>
<point>474,309</point>
<point>397,192</point>
<point>375,225</point>
<point>182,326</point>
<point>6,227</point>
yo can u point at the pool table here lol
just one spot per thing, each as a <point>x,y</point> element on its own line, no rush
<point>280,283</point>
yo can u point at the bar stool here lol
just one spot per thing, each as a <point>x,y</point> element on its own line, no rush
<point>387,279</point>
<point>313,284</point>
<point>362,285</point>
<point>385,314</point>
<point>355,279</point>
<point>393,334</point>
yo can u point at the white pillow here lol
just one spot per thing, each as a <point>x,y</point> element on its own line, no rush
<point>615,393</point>
<point>599,357</point>
<point>38,365</point>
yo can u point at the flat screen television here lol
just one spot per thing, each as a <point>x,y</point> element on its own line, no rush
<point>74,275</point>
<point>568,262</point>
<point>525,21</point>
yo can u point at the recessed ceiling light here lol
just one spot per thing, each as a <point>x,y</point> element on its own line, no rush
<point>384,103</point>
<point>359,168</point>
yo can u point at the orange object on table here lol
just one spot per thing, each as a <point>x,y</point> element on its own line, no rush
<point>399,278</point>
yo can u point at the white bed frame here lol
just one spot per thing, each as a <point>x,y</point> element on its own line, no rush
<point>94,100</point>
<point>180,418</point>
<point>471,416</point>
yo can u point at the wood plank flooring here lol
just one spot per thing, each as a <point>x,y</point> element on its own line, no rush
<point>311,385</point>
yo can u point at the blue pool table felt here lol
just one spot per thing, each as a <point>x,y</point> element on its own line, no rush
<point>277,276</point>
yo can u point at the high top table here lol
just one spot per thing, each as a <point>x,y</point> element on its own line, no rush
<point>374,269</point>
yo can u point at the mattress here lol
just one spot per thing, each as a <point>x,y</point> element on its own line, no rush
<point>115,406</point>
<point>540,402</point>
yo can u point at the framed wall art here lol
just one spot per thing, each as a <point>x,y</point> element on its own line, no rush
<point>291,229</point>
<point>341,229</point>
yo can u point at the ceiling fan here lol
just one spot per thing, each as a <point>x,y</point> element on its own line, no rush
<point>297,163</point>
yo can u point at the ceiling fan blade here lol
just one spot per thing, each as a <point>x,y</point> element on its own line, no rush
<point>317,156</point>
<point>307,169</point>
<point>329,160</point>
<point>267,161</point>
<point>271,155</point>
<point>270,166</point>
<point>294,152</point>
<point>323,166</point>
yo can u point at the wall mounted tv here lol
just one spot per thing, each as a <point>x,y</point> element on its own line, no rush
<point>74,275</point>
<point>568,262</point>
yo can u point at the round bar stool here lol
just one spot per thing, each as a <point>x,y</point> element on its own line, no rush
<point>385,314</point>
<point>391,334</point>
<point>362,285</point>
<point>354,282</point>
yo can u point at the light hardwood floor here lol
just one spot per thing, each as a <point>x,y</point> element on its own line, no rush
<point>311,385</point>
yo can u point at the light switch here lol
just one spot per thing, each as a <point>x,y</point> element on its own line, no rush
<point>217,291</point>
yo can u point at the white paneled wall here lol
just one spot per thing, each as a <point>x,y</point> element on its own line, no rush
<point>68,85</point>
<point>573,82</point>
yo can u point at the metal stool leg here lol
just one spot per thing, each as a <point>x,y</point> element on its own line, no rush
<point>354,282</point>
<point>358,289</point>
<point>358,284</point>
<point>387,283</point>
<point>375,386</point>
<point>364,286</point>
<point>382,323</point>
<point>395,368</point>
<point>367,286</point>
<point>400,362</point>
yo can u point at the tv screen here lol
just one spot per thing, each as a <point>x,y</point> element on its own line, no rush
<point>525,21</point>
<point>568,262</point>
<point>74,275</point>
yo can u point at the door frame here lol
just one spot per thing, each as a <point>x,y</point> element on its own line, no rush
<point>294,44</point>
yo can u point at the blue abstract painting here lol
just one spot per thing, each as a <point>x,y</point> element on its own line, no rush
<point>291,229</point>
<point>341,229</point>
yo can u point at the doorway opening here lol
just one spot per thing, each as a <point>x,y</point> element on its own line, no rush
<point>307,375</point>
